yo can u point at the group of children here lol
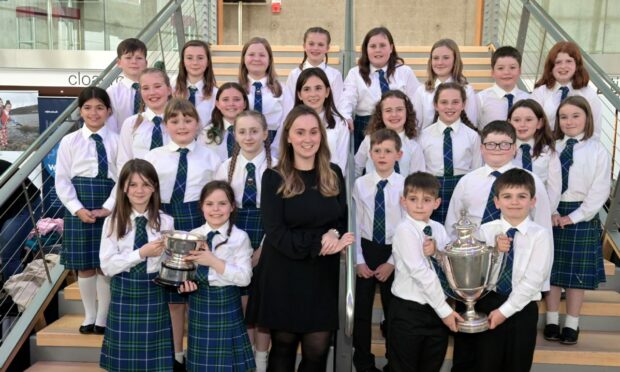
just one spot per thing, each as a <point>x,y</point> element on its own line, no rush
<point>154,156</point>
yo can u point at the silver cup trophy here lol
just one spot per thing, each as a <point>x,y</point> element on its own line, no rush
<point>174,269</point>
<point>468,264</point>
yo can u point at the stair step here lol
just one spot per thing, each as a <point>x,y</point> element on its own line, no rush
<point>72,292</point>
<point>610,267</point>
<point>64,332</point>
<point>64,367</point>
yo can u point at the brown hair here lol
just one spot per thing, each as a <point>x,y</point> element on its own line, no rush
<point>315,30</point>
<point>581,77</point>
<point>329,106</point>
<point>543,136</point>
<point>177,106</point>
<point>382,135</point>
<point>130,45</point>
<point>459,88</point>
<point>215,132</point>
<point>515,177</point>
<point>376,120</point>
<point>364,62</point>
<point>457,66</point>
<point>426,182</point>
<point>207,190</point>
<point>208,76</point>
<point>582,103</point>
<point>272,77</point>
<point>150,70</point>
<point>260,118</point>
<point>499,127</point>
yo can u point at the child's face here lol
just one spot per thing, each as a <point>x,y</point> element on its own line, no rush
<point>313,93</point>
<point>139,191</point>
<point>230,103</point>
<point>132,64</point>
<point>316,46</point>
<point>379,50</point>
<point>419,204</point>
<point>442,62</point>
<point>217,209</point>
<point>250,135</point>
<point>394,113</point>
<point>449,106</point>
<point>182,129</point>
<point>256,60</point>
<point>515,203</point>
<point>196,62</point>
<point>384,155</point>
<point>572,120</point>
<point>154,91</point>
<point>95,113</point>
<point>497,158</point>
<point>506,72</point>
<point>564,68</point>
<point>525,123</point>
<point>305,137</point>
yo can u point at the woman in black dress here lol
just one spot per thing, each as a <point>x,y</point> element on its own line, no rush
<point>304,209</point>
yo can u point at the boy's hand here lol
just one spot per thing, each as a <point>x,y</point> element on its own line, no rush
<point>496,318</point>
<point>565,221</point>
<point>152,249</point>
<point>384,271</point>
<point>451,321</point>
<point>429,246</point>
<point>502,243</point>
<point>555,219</point>
<point>85,216</point>
<point>363,271</point>
<point>187,286</point>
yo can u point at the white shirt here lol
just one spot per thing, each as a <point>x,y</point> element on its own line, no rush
<point>221,149</point>
<point>412,160</point>
<point>493,105</point>
<point>204,106</point>
<point>333,76</point>
<point>240,173</point>
<point>425,110</point>
<point>414,276</point>
<point>549,99</point>
<point>364,198</point>
<point>121,97</point>
<point>77,156</point>
<point>547,167</point>
<point>201,166</point>
<point>338,139</point>
<point>136,142</point>
<point>531,265</point>
<point>465,148</point>
<point>275,108</point>
<point>588,178</point>
<point>236,254</point>
<point>361,99</point>
<point>472,192</point>
<point>117,255</point>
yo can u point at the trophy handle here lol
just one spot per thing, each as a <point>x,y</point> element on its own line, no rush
<point>497,258</point>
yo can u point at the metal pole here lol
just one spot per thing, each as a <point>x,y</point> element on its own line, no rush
<point>525,20</point>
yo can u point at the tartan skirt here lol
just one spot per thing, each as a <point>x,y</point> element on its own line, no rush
<point>138,335</point>
<point>446,189</point>
<point>250,220</point>
<point>359,130</point>
<point>81,241</point>
<point>217,338</point>
<point>578,252</point>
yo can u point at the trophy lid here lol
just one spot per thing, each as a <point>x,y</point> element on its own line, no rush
<point>465,244</point>
<point>182,235</point>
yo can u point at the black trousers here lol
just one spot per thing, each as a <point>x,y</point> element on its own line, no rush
<point>509,347</point>
<point>374,255</point>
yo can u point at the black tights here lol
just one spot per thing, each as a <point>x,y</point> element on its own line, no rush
<point>314,350</point>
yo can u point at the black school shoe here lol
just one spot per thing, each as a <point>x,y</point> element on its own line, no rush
<point>99,330</point>
<point>552,332</point>
<point>179,367</point>
<point>87,329</point>
<point>569,336</point>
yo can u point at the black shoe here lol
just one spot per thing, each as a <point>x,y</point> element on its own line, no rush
<point>552,332</point>
<point>179,367</point>
<point>99,330</point>
<point>569,336</point>
<point>87,329</point>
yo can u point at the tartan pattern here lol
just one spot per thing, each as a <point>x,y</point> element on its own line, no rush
<point>446,189</point>
<point>230,140</point>
<point>210,237</point>
<point>428,231</point>
<point>217,339</point>
<point>250,220</point>
<point>383,82</point>
<point>526,156</point>
<point>564,93</point>
<point>249,190</point>
<point>448,162</point>
<point>359,128</point>
<point>192,95</point>
<point>504,283</point>
<point>138,334</point>
<point>378,223</point>
<point>102,156</point>
<point>258,97</point>
<point>141,238</point>
<point>491,213</point>
<point>137,98</point>
<point>397,167</point>
<point>80,248</point>
<point>156,136</point>
<point>178,193</point>
<point>510,97</point>
<point>578,252</point>
<point>566,160</point>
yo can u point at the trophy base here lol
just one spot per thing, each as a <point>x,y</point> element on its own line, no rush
<point>172,278</point>
<point>473,324</point>
<point>167,283</point>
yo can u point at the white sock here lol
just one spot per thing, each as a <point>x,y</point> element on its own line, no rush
<point>553,317</point>
<point>571,322</point>
<point>103,300</point>
<point>261,361</point>
<point>179,356</point>
<point>88,292</point>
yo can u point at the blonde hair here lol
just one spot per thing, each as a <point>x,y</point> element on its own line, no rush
<point>260,118</point>
<point>150,70</point>
<point>457,65</point>
<point>272,77</point>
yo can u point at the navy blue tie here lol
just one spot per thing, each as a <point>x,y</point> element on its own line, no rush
<point>156,135</point>
<point>178,193</point>
<point>504,283</point>
<point>230,140</point>
<point>564,93</point>
<point>102,157</point>
<point>210,237</point>
<point>526,157</point>
<point>137,98</point>
<point>566,159</point>
<point>448,165</point>
<point>397,167</point>
<point>382,82</point>
<point>249,190</point>
<point>192,95</point>
<point>510,97</point>
<point>378,226</point>
<point>140,239</point>
<point>491,213</point>
<point>258,97</point>
<point>428,231</point>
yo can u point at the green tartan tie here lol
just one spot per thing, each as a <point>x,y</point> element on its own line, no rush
<point>428,231</point>
<point>137,98</point>
<point>378,226</point>
<point>504,283</point>
<point>178,193</point>
<point>448,163</point>
<point>140,239</point>
<point>192,95</point>
<point>102,157</point>
<point>566,160</point>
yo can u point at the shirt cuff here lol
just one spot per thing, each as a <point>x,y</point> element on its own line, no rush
<point>507,309</point>
<point>74,206</point>
<point>109,203</point>
<point>444,310</point>
<point>134,256</point>
<point>577,215</point>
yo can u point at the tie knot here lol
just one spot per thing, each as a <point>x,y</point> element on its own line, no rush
<point>447,131</point>
<point>183,151</point>
<point>230,129</point>
<point>157,121</point>
<point>257,85</point>
<point>509,96</point>
<point>511,232</point>
<point>135,86</point>
<point>571,142</point>
<point>564,90</point>
<point>96,137</point>
<point>525,147</point>
<point>381,73</point>
<point>381,184</point>
<point>193,90</point>
<point>250,167</point>
<point>496,174</point>
<point>428,231</point>
<point>140,222</point>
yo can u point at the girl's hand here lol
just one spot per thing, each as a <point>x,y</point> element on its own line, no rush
<point>99,213</point>
<point>384,271</point>
<point>350,124</point>
<point>496,318</point>
<point>85,216</point>
<point>152,249</point>
<point>502,242</point>
<point>451,321</point>
<point>202,257</point>
<point>555,219</point>
<point>428,248</point>
<point>565,221</point>
<point>256,256</point>
<point>187,286</point>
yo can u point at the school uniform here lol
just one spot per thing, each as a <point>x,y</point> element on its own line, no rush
<point>222,144</point>
<point>82,181</point>
<point>546,166</point>
<point>274,108</point>
<point>338,139</point>
<point>203,105</point>
<point>425,110</point>
<point>122,97</point>
<point>578,259</point>
<point>358,100</point>
<point>334,76</point>
<point>550,99</point>
<point>417,337</point>
<point>138,333</point>
<point>519,281</point>
<point>411,161</point>
<point>494,103</point>
<point>465,155</point>
<point>137,139</point>
<point>373,250</point>
<point>217,336</point>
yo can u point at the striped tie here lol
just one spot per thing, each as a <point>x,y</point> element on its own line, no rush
<point>397,167</point>
<point>178,193</point>
<point>230,140</point>
<point>210,237</point>
<point>192,95</point>
<point>156,136</point>
<point>526,157</point>
<point>566,159</point>
<point>491,213</point>
<point>564,93</point>
<point>378,226</point>
<point>382,82</point>
<point>137,98</point>
<point>504,283</point>
<point>249,190</point>
<point>140,239</point>
<point>258,97</point>
<point>102,157</point>
<point>510,97</point>
<point>448,165</point>
<point>428,231</point>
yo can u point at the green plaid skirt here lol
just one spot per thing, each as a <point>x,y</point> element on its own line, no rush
<point>446,189</point>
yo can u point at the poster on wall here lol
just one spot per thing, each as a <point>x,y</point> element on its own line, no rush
<point>19,120</point>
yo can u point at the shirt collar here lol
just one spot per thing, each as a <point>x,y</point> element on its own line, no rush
<point>557,87</point>
<point>501,92</point>
<point>522,227</point>
<point>419,225</point>
<point>437,81</point>
<point>258,159</point>
<point>150,115</point>
<point>127,82</point>
<point>173,147</point>
<point>135,214</point>
<point>373,69</point>
<point>442,126</point>
<point>578,138</point>
<point>222,229</point>
<point>263,80</point>
<point>227,124</point>
<point>86,133</point>
<point>501,169</point>
<point>529,142</point>
<point>376,178</point>
<point>308,65</point>
<point>199,85</point>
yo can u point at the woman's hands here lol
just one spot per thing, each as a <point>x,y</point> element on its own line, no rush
<point>331,244</point>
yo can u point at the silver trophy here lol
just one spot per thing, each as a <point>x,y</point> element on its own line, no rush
<point>468,264</point>
<point>174,269</point>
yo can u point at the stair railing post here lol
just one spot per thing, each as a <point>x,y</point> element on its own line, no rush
<point>525,20</point>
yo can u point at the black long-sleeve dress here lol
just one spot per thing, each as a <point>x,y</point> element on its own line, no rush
<point>295,289</point>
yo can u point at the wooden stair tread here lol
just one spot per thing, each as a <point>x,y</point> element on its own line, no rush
<point>64,367</point>
<point>72,292</point>
<point>610,267</point>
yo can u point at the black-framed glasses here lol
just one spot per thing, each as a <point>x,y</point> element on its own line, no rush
<point>495,145</point>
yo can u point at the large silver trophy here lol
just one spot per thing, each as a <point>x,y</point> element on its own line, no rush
<point>174,269</point>
<point>468,264</point>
